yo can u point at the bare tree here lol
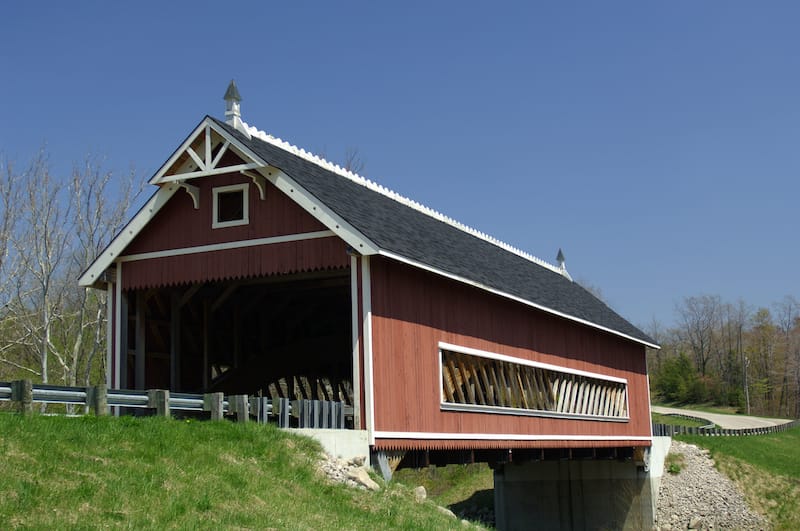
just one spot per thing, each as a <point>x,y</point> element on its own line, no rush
<point>699,317</point>
<point>99,205</point>
<point>10,184</point>
<point>353,161</point>
<point>63,226</point>
<point>787,313</point>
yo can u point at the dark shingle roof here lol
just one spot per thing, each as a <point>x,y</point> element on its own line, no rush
<point>415,235</point>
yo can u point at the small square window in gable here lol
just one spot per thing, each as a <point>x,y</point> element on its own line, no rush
<point>230,206</point>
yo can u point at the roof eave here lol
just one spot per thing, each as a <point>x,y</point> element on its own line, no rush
<point>484,287</point>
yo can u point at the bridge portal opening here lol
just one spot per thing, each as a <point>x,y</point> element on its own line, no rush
<point>287,336</point>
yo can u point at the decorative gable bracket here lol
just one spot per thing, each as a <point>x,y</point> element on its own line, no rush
<point>193,191</point>
<point>203,155</point>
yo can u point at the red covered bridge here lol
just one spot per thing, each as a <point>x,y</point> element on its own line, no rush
<point>257,267</point>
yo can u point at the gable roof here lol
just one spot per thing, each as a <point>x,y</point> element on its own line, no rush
<point>403,230</point>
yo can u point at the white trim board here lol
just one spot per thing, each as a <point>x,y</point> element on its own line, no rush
<point>504,436</point>
<point>228,245</point>
<point>521,412</point>
<point>529,363</point>
<point>369,380</point>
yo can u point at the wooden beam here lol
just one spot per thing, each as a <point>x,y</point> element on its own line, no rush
<point>208,148</point>
<point>457,384</point>
<point>208,173</point>
<point>220,153</point>
<point>188,294</point>
<point>465,377</point>
<point>230,290</point>
<point>489,389</point>
<point>206,353</point>
<point>140,341</point>
<point>479,395</point>
<point>174,342</point>
<point>195,158</point>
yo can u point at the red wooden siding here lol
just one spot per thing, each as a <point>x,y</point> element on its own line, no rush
<point>179,225</point>
<point>248,262</point>
<point>414,310</point>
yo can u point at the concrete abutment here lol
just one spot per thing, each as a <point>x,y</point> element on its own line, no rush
<point>579,494</point>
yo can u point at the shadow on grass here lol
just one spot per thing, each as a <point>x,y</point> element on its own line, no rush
<point>478,508</point>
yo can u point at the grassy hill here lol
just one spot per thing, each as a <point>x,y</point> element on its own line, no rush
<point>151,473</point>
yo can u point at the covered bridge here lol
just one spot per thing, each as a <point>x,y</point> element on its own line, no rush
<point>257,267</point>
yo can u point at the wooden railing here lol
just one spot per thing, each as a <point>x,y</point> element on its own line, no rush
<point>99,399</point>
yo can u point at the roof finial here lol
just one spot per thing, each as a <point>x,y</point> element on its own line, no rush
<point>233,113</point>
<point>562,263</point>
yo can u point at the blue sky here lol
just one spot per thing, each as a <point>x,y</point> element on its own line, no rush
<point>658,144</point>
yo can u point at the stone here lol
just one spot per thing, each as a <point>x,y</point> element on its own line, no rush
<point>445,510</point>
<point>360,476</point>
<point>420,494</point>
<point>358,460</point>
<point>695,522</point>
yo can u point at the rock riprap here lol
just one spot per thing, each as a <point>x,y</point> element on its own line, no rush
<point>700,497</point>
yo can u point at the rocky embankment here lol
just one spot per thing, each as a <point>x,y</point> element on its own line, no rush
<point>700,497</point>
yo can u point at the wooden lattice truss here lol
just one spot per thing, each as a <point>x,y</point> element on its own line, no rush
<point>486,382</point>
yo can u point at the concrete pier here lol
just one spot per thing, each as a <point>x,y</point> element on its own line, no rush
<point>579,494</point>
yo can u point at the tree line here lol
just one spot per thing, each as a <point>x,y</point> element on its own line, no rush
<point>52,226</point>
<point>730,354</point>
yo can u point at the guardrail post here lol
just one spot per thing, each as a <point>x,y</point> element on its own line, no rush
<point>259,405</point>
<point>240,407</point>
<point>159,400</point>
<point>213,402</point>
<point>280,407</point>
<point>22,393</point>
<point>97,399</point>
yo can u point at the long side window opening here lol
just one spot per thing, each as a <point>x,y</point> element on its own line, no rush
<point>499,384</point>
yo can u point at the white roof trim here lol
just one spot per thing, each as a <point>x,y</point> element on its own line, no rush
<point>167,189</point>
<point>420,265</point>
<point>178,152</point>
<point>375,187</point>
<point>134,226</point>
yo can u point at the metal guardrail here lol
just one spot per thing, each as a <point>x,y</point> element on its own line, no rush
<point>307,413</point>
<point>669,430</point>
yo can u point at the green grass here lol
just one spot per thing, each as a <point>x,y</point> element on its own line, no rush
<point>671,420</point>
<point>708,407</point>
<point>766,467</point>
<point>150,473</point>
<point>674,463</point>
<point>458,487</point>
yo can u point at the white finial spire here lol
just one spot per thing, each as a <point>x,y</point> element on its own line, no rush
<point>562,263</point>
<point>233,113</point>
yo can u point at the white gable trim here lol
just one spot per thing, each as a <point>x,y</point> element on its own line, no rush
<point>169,184</point>
<point>133,228</point>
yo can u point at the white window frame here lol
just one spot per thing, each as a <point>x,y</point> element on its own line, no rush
<point>450,406</point>
<point>245,189</point>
